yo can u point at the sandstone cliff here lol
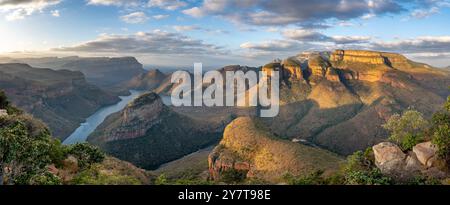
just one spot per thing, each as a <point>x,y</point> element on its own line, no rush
<point>148,133</point>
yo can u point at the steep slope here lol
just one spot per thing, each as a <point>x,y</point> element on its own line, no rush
<point>148,133</point>
<point>147,81</point>
<point>106,73</point>
<point>348,95</point>
<point>249,147</point>
<point>62,99</point>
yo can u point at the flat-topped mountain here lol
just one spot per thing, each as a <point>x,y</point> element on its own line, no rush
<point>104,72</point>
<point>148,133</point>
<point>62,99</point>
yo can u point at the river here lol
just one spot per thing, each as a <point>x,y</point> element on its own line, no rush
<point>81,133</point>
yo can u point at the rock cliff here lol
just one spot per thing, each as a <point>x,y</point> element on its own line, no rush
<point>147,133</point>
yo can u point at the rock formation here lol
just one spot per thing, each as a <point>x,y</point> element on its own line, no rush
<point>249,148</point>
<point>147,133</point>
<point>391,160</point>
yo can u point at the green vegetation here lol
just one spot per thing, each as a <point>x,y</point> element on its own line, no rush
<point>5,104</point>
<point>27,151</point>
<point>407,129</point>
<point>440,132</point>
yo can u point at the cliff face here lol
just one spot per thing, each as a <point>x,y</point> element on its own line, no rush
<point>348,95</point>
<point>148,133</point>
<point>62,99</point>
<point>147,81</point>
<point>249,148</point>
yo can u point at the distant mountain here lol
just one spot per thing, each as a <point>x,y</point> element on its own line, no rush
<point>148,133</point>
<point>146,81</point>
<point>104,72</point>
<point>62,99</point>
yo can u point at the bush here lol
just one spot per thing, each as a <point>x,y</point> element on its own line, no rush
<point>372,177</point>
<point>314,178</point>
<point>233,176</point>
<point>45,178</point>
<point>93,176</point>
<point>441,132</point>
<point>86,154</point>
<point>406,129</point>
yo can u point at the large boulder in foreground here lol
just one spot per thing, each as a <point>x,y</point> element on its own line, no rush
<point>393,162</point>
<point>426,153</point>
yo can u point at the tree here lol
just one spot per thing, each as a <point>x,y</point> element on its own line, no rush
<point>407,129</point>
<point>440,132</point>
<point>21,155</point>
<point>86,154</point>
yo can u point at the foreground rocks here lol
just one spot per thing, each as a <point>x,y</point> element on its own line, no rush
<point>393,162</point>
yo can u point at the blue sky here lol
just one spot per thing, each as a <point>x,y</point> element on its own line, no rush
<point>222,32</point>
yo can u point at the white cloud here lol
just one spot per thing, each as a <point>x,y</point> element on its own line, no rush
<point>55,13</point>
<point>114,2</point>
<point>135,18</point>
<point>161,16</point>
<point>185,28</point>
<point>167,4</point>
<point>156,42</point>
<point>19,9</point>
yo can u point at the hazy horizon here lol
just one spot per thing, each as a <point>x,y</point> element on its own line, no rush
<point>222,32</point>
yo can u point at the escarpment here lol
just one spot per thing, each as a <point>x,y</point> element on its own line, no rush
<point>147,133</point>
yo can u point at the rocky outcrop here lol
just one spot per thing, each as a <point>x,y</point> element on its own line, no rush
<point>353,56</point>
<point>426,153</point>
<point>147,133</point>
<point>392,161</point>
<point>248,147</point>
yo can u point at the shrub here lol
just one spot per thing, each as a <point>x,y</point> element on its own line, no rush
<point>406,129</point>
<point>314,178</point>
<point>233,176</point>
<point>372,177</point>
<point>161,180</point>
<point>86,154</point>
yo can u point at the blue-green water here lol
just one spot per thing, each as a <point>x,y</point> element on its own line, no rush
<point>81,133</point>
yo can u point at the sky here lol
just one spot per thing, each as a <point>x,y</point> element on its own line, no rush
<point>223,32</point>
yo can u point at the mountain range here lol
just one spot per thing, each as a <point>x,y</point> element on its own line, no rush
<point>331,105</point>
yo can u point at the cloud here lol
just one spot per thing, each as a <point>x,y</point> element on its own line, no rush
<point>263,12</point>
<point>306,35</point>
<point>146,43</point>
<point>55,13</point>
<point>161,16</point>
<point>185,28</point>
<point>129,3</point>
<point>424,44</point>
<point>135,18</point>
<point>167,4</point>
<point>19,9</point>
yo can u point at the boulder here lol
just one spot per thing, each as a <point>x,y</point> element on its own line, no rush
<point>386,152</point>
<point>425,153</point>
